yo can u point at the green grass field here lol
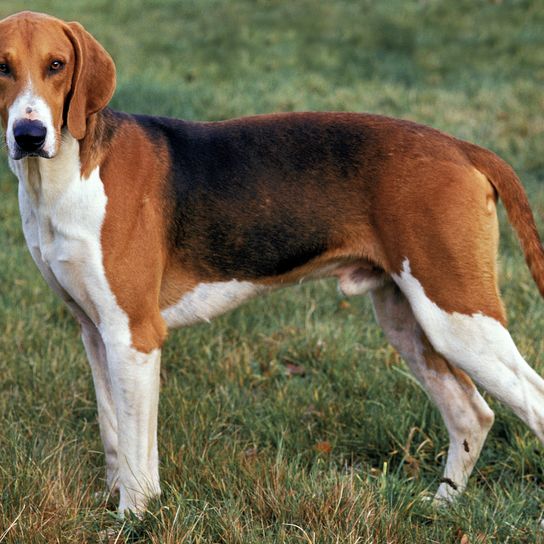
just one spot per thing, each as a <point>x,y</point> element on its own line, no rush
<point>252,450</point>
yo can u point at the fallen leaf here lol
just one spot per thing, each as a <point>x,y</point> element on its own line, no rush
<point>323,447</point>
<point>411,466</point>
<point>295,370</point>
<point>312,411</point>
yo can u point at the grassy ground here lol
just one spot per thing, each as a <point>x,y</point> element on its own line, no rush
<point>289,420</point>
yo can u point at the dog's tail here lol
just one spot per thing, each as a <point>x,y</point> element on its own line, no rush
<point>507,184</point>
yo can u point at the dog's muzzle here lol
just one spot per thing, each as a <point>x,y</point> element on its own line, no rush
<point>29,137</point>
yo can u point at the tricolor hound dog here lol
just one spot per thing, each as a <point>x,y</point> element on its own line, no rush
<point>144,223</point>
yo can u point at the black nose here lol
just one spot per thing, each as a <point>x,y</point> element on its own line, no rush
<point>29,135</point>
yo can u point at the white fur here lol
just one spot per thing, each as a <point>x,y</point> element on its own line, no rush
<point>467,416</point>
<point>62,216</point>
<point>483,348</point>
<point>208,300</point>
<point>351,287</point>
<point>135,380</point>
<point>30,106</point>
<point>96,354</point>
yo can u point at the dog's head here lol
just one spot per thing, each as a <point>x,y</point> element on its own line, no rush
<point>52,75</point>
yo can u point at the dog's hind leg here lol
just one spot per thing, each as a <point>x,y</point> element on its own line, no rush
<point>482,347</point>
<point>467,416</point>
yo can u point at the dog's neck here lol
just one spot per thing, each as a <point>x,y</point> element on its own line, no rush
<point>45,180</point>
<point>94,146</point>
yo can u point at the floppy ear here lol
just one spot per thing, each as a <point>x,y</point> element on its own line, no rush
<point>93,81</point>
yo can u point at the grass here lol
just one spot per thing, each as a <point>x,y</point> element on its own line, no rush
<point>253,451</point>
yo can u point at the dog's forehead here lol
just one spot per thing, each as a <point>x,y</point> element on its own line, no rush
<point>33,32</point>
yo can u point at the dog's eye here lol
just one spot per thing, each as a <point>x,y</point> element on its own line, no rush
<point>56,65</point>
<point>4,68</point>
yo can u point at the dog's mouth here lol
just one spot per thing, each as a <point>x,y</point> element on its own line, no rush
<point>19,154</point>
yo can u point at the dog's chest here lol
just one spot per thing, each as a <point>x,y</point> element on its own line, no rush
<point>62,219</point>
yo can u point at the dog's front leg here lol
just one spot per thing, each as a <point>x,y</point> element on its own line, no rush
<point>107,418</point>
<point>135,386</point>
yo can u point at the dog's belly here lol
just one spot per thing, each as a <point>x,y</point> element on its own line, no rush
<point>209,300</point>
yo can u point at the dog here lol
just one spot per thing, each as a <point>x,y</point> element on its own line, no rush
<point>141,224</point>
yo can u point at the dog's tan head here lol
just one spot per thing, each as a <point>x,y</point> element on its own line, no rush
<point>52,74</point>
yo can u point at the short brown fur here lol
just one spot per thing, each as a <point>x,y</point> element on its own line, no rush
<point>133,233</point>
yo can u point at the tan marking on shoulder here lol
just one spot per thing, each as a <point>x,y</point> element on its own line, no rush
<point>176,282</point>
<point>133,235</point>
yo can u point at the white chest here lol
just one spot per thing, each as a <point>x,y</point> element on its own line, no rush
<point>62,216</point>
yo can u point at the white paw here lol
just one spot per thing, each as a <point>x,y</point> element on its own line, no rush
<point>447,492</point>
